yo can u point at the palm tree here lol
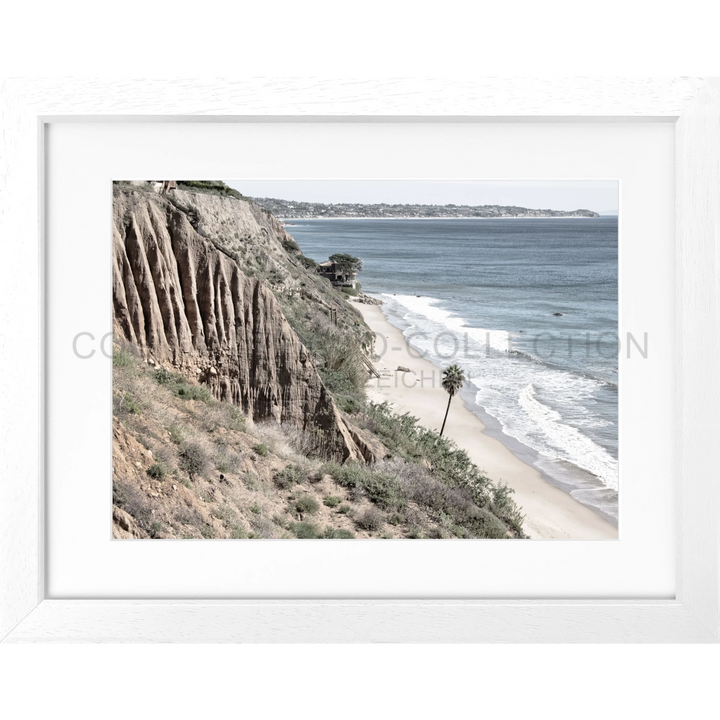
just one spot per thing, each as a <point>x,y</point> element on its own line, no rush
<point>453,379</point>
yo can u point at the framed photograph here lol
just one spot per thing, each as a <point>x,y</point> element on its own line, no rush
<point>463,326</point>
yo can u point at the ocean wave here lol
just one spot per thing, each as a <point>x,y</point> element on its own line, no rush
<point>497,340</point>
<point>538,403</point>
<point>576,447</point>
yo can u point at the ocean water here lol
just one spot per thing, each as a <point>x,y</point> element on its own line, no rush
<point>484,294</point>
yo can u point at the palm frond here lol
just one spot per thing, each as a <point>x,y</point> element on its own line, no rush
<point>453,379</point>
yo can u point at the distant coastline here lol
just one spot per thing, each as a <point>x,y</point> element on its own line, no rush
<point>442,217</point>
<point>297,210</point>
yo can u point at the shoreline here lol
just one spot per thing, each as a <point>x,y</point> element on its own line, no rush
<point>550,512</point>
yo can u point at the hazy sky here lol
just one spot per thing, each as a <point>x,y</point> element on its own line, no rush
<point>598,195</point>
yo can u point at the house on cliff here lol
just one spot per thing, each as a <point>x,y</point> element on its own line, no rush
<point>339,276</point>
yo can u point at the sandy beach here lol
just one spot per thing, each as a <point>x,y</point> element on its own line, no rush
<point>550,512</point>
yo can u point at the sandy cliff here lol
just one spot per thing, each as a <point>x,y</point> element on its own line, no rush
<point>189,306</point>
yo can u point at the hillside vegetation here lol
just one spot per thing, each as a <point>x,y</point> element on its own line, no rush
<point>189,464</point>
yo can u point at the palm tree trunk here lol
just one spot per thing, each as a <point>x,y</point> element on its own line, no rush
<point>447,410</point>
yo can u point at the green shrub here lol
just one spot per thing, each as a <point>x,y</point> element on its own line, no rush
<point>308,262</point>
<point>338,348</point>
<point>287,477</point>
<point>384,490</point>
<point>254,509</point>
<point>235,419</point>
<point>121,493</point>
<point>193,459</point>
<point>338,534</point>
<point>331,501</point>
<point>290,245</point>
<point>379,487</point>
<point>349,291</point>
<point>261,449</point>
<point>158,471</point>
<point>129,404</point>
<point>306,505</point>
<point>122,358</point>
<point>344,509</point>
<point>341,381</point>
<point>305,530</point>
<point>504,507</point>
<point>403,436</point>
<point>223,463</point>
<point>349,405</point>
<point>194,392</point>
<point>371,520</point>
<point>179,386</point>
<point>345,475</point>
<point>210,187</point>
<point>165,377</point>
<point>177,434</point>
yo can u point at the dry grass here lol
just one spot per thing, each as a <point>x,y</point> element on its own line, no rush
<point>288,443</point>
<point>196,468</point>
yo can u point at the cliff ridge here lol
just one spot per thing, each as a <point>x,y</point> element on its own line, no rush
<point>184,303</point>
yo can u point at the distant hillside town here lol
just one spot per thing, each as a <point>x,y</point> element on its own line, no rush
<point>296,210</point>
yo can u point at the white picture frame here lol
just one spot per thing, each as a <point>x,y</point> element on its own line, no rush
<point>692,104</point>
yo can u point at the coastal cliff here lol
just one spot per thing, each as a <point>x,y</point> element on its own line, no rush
<point>187,305</point>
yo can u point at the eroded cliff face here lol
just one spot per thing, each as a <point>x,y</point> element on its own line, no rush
<point>186,304</point>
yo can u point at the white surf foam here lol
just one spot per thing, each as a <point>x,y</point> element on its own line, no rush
<point>575,446</point>
<point>462,335</point>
